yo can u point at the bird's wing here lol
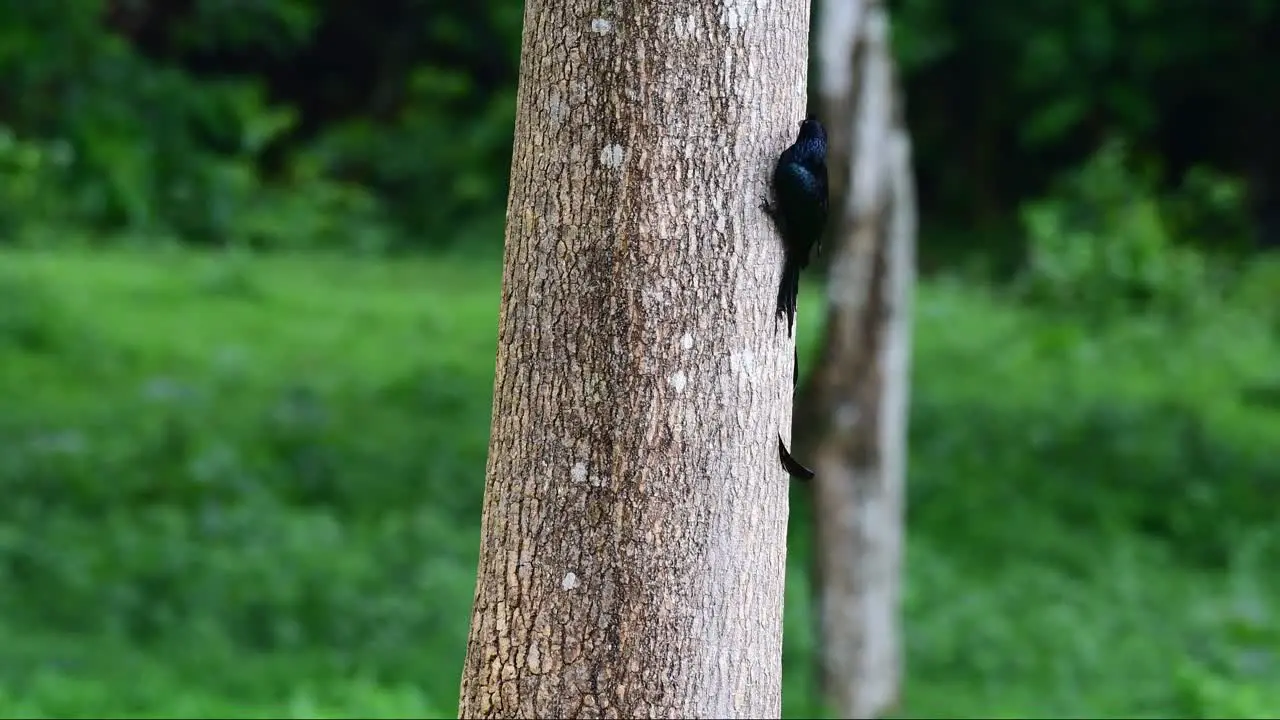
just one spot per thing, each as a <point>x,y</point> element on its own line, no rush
<point>804,189</point>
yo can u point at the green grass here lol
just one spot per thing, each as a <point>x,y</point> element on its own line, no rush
<point>250,487</point>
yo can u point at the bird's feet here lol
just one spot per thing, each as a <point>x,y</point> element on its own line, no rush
<point>768,208</point>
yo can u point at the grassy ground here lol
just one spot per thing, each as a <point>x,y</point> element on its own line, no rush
<point>245,487</point>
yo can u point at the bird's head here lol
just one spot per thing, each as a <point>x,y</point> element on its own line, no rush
<point>811,129</point>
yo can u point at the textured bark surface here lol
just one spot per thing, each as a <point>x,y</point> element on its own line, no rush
<point>633,537</point>
<point>855,404</point>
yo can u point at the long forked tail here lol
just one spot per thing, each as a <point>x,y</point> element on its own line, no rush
<point>791,465</point>
<point>788,291</point>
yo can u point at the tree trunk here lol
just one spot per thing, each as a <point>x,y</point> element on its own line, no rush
<point>633,536</point>
<point>855,403</point>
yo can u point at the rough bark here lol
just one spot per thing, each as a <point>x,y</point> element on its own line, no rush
<point>855,403</point>
<point>633,536</point>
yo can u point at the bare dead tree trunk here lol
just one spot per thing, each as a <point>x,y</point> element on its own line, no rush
<point>633,537</point>
<point>855,403</point>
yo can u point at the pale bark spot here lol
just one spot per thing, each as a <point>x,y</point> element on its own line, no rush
<point>557,108</point>
<point>687,27</point>
<point>578,473</point>
<point>737,13</point>
<point>686,342</point>
<point>678,381</point>
<point>533,659</point>
<point>570,581</point>
<point>601,26</point>
<point>612,156</point>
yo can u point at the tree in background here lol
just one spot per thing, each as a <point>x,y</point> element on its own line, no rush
<point>855,402</point>
<point>634,525</point>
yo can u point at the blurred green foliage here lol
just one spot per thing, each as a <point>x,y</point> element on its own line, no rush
<point>258,124</point>
<point>249,487</point>
<point>1102,245</point>
<point>334,124</point>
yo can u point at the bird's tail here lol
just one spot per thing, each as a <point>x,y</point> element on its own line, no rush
<point>788,291</point>
<point>791,465</point>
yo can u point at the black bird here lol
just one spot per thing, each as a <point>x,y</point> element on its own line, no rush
<point>800,190</point>
<point>800,212</point>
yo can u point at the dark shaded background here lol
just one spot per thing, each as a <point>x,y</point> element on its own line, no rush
<point>186,116</point>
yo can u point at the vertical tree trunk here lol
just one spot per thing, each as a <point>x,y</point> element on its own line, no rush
<point>633,537</point>
<point>855,403</point>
